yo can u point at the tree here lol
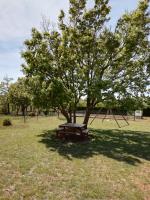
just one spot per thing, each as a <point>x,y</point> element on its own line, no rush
<point>4,90</point>
<point>19,96</point>
<point>86,59</point>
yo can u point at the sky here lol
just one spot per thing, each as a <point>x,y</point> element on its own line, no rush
<point>17,17</point>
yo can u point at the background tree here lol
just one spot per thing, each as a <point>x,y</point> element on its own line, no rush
<point>19,96</point>
<point>4,90</point>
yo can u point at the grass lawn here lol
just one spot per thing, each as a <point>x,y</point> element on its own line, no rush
<point>113,165</point>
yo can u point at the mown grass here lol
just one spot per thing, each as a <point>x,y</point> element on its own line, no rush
<point>113,164</point>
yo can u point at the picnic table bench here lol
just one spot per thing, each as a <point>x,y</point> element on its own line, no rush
<point>68,129</point>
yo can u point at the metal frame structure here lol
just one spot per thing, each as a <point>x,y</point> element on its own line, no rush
<point>110,112</point>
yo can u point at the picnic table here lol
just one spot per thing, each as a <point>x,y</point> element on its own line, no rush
<point>69,129</point>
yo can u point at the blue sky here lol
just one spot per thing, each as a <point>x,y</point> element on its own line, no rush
<point>17,17</point>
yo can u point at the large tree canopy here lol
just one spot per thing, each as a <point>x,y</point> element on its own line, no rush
<point>86,59</point>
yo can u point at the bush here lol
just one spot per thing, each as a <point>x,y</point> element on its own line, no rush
<point>46,112</point>
<point>7,122</point>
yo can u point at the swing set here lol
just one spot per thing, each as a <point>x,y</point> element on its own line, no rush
<point>112,103</point>
<point>110,112</point>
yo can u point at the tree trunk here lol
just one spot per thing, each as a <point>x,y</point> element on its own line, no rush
<point>74,116</point>
<point>37,115</point>
<point>18,108</point>
<point>134,115</point>
<point>70,115</point>
<point>8,108</point>
<point>58,114</point>
<point>66,115</point>
<point>23,113</point>
<point>87,115</point>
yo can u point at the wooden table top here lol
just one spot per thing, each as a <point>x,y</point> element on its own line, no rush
<point>73,125</point>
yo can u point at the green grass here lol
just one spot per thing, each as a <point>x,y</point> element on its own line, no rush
<point>114,164</point>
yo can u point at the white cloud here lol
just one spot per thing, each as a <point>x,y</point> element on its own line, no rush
<point>10,65</point>
<point>17,17</point>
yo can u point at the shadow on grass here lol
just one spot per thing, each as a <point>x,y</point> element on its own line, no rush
<point>126,146</point>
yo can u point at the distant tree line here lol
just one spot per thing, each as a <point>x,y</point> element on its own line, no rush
<point>17,99</point>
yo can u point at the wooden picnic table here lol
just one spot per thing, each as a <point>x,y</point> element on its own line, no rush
<point>67,129</point>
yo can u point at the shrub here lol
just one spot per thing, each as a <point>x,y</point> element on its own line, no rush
<point>46,112</point>
<point>7,122</point>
